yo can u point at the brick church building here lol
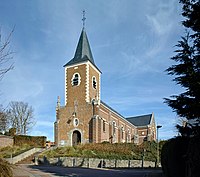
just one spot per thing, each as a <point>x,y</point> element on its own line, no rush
<point>85,118</point>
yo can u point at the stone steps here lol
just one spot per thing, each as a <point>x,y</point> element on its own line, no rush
<point>30,159</point>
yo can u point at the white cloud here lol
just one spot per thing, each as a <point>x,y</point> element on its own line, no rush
<point>159,18</point>
<point>161,25</point>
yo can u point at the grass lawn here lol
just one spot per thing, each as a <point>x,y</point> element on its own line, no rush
<point>6,152</point>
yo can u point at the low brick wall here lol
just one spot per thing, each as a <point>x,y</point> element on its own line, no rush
<point>94,163</point>
<point>6,141</point>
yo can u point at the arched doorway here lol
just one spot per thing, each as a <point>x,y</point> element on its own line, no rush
<point>76,138</point>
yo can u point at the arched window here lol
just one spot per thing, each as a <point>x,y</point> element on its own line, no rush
<point>76,79</point>
<point>122,130</point>
<point>94,82</point>
<point>114,126</point>
<point>104,126</point>
<point>128,137</point>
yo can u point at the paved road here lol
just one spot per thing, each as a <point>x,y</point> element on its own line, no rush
<point>56,171</point>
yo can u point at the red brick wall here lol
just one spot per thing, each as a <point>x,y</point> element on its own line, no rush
<point>6,141</point>
<point>109,116</point>
<point>77,102</point>
<point>91,117</point>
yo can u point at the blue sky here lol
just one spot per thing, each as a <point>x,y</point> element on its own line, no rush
<point>131,42</point>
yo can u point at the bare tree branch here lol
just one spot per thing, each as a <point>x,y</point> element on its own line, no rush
<point>4,123</point>
<point>21,117</point>
<point>5,55</point>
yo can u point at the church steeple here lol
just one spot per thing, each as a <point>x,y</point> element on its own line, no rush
<point>83,51</point>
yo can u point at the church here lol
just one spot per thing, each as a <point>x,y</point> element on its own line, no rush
<point>85,118</point>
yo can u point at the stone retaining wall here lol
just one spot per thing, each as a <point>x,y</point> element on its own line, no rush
<point>94,163</point>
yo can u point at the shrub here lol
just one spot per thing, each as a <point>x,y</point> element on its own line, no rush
<point>106,151</point>
<point>173,157</point>
<point>5,169</point>
<point>35,141</point>
<point>192,158</point>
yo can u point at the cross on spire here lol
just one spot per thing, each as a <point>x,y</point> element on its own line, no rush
<point>83,19</point>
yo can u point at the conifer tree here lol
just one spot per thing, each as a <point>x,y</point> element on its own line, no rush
<point>187,70</point>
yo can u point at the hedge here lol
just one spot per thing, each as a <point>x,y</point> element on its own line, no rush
<point>174,157</point>
<point>34,141</point>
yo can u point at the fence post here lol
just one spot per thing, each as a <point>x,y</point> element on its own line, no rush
<point>115,163</point>
<point>73,162</point>
<point>129,163</point>
<point>88,164</point>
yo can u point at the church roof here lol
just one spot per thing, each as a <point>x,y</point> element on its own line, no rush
<point>83,52</point>
<point>143,120</point>
<point>111,108</point>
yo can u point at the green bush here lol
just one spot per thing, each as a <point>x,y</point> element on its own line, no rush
<point>193,157</point>
<point>35,141</point>
<point>173,157</point>
<point>180,157</point>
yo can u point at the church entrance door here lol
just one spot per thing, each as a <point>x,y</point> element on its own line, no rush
<point>76,138</point>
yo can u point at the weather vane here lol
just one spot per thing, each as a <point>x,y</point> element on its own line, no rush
<point>83,19</point>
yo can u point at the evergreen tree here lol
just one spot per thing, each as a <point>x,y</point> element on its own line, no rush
<point>187,70</point>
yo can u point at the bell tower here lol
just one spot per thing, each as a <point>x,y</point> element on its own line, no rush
<point>74,120</point>
<point>82,77</point>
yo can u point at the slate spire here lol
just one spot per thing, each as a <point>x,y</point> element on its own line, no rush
<point>83,51</point>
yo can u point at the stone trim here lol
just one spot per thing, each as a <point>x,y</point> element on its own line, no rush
<point>65,86</point>
<point>82,63</point>
<point>71,136</point>
<point>87,84</point>
<point>99,96</point>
